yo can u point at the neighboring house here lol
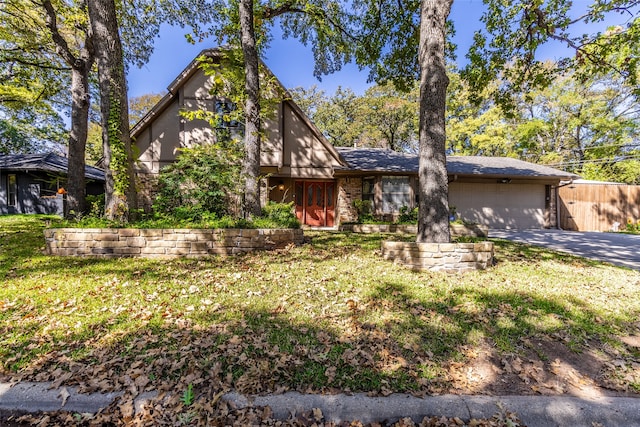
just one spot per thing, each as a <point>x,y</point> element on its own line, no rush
<point>34,183</point>
<point>324,181</point>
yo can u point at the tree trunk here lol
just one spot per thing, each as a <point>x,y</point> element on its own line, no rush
<point>76,187</point>
<point>433,193</point>
<point>120,197</point>
<point>80,65</point>
<point>251,165</point>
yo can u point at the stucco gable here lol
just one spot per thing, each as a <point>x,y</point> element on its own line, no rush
<point>292,141</point>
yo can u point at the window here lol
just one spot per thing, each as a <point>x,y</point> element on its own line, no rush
<point>368,189</point>
<point>396,193</point>
<point>12,190</point>
<point>223,109</point>
<point>226,127</point>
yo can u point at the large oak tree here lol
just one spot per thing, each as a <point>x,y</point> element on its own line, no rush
<point>407,40</point>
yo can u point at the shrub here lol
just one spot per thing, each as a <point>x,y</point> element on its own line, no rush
<point>408,215</point>
<point>364,210</point>
<point>204,180</point>
<point>281,215</point>
<point>95,205</point>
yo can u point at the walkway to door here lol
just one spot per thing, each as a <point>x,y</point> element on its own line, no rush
<point>616,248</point>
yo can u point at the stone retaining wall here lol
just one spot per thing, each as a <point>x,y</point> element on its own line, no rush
<point>457,230</point>
<point>449,257</point>
<point>165,243</point>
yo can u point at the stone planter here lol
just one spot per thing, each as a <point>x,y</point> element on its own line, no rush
<point>448,257</point>
<point>473,230</point>
<point>380,228</point>
<point>165,243</point>
<point>457,230</point>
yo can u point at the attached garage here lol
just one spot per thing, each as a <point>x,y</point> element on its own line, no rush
<point>500,192</point>
<point>503,206</point>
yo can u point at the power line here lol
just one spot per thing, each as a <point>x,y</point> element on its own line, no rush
<point>574,163</point>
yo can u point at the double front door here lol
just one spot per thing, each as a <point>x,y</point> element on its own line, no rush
<point>315,203</point>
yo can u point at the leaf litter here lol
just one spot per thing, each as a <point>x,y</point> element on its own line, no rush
<point>214,325</point>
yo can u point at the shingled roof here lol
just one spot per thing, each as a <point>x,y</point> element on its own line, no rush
<point>376,160</point>
<point>48,162</point>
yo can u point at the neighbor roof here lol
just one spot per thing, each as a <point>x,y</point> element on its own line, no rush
<point>48,162</point>
<point>382,160</point>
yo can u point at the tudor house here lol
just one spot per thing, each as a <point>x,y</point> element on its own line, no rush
<point>323,180</point>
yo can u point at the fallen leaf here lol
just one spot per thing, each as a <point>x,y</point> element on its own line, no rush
<point>64,394</point>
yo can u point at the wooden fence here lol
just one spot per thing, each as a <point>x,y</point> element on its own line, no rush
<point>597,207</point>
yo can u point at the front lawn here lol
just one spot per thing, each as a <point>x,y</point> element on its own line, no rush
<point>325,317</point>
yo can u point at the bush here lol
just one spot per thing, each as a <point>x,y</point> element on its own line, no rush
<point>408,215</point>
<point>280,215</point>
<point>633,227</point>
<point>204,181</point>
<point>364,210</point>
<point>95,205</point>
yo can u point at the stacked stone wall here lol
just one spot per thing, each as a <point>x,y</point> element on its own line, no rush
<point>457,230</point>
<point>448,257</point>
<point>165,243</point>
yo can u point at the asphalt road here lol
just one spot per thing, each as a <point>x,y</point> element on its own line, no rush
<point>616,248</point>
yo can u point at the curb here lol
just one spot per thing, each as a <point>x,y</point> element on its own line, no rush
<point>533,411</point>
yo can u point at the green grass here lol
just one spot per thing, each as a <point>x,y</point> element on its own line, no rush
<point>329,315</point>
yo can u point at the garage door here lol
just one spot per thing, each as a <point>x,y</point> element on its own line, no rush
<point>510,206</point>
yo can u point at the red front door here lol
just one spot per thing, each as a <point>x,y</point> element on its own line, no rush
<point>315,205</point>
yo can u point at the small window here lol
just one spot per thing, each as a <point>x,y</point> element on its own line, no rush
<point>396,193</point>
<point>329,195</point>
<point>319,195</point>
<point>299,194</point>
<point>368,189</point>
<point>310,195</point>
<point>223,109</point>
<point>12,190</point>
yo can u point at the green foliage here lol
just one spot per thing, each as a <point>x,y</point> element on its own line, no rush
<point>188,397</point>
<point>408,215</point>
<point>279,214</point>
<point>383,117</point>
<point>204,180</point>
<point>31,129</point>
<point>139,106</point>
<point>227,70</point>
<point>95,205</point>
<point>364,209</point>
<point>633,226</point>
<point>118,164</point>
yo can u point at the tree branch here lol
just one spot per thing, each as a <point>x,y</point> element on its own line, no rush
<point>61,43</point>
<point>270,13</point>
<point>35,64</point>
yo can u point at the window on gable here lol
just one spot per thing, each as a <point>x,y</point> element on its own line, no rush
<point>396,193</point>
<point>224,109</point>
<point>227,128</point>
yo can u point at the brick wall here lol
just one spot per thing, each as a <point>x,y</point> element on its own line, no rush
<point>350,190</point>
<point>147,186</point>
<point>165,243</point>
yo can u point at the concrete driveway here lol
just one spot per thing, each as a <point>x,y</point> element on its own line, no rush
<point>616,248</point>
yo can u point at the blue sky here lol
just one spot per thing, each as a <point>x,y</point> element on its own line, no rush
<point>289,60</point>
